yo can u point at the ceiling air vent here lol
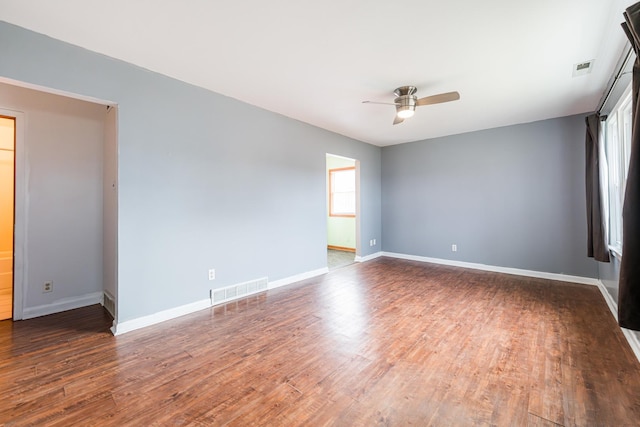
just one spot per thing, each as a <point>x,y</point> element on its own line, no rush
<point>582,68</point>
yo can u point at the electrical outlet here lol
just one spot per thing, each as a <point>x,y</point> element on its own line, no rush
<point>212,274</point>
<point>47,287</point>
<point>374,242</point>
<point>454,248</point>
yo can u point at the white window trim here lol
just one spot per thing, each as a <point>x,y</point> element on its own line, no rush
<point>332,173</point>
<point>614,248</point>
<point>616,251</point>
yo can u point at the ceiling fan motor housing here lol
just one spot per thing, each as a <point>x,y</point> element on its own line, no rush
<point>405,101</point>
<point>405,90</point>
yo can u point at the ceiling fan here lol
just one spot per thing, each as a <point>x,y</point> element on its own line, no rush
<point>406,101</point>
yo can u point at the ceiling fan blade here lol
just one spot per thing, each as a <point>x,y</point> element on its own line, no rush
<point>438,99</point>
<point>398,120</point>
<point>381,103</point>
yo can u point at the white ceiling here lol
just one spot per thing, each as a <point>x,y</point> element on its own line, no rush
<point>316,61</point>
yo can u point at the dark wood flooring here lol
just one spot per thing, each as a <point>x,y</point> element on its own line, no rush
<point>384,343</point>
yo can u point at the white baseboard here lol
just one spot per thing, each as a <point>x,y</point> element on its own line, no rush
<point>298,277</point>
<point>368,257</point>
<point>119,328</point>
<point>609,299</point>
<point>631,337</point>
<point>497,269</point>
<point>63,304</point>
<point>161,316</point>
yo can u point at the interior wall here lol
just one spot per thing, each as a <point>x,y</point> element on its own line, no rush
<point>204,181</point>
<point>110,204</point>
<point>63,145</point>
<point>609,274</point>
<point>508,197</point>
<point>341,231</point>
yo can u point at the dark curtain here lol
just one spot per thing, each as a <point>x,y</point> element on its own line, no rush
<point>629,293</point>
<point>597,246</point>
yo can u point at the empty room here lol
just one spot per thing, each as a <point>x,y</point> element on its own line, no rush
<point>338,213</point>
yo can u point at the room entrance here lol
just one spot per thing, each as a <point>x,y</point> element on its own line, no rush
<point>7,174</point>
<point>342,196</point>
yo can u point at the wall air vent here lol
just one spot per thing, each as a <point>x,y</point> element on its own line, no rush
<point>582,68</point>
<point>109,303</point>
<point>230,293</point>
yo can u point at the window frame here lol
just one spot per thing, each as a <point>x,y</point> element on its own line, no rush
<point>617,147</point>
<point>331,193</point>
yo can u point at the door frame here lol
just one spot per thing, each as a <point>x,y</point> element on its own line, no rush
<point>357,178</point>
<point>20,201</point>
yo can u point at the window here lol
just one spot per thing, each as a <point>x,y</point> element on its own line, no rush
<point>617,131</point>
<point>342,192</point>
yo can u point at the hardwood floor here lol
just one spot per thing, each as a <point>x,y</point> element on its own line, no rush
<point>387,342</point>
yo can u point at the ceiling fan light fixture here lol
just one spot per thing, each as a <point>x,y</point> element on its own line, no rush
<point>406,101</point>
<point>405,106</point>
<point>405,111</point>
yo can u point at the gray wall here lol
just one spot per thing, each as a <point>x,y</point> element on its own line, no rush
<point>609,274</point>
<point>110,204</point>
<point>205,181</point>
<point>63,155</point>
<point>510,197</point>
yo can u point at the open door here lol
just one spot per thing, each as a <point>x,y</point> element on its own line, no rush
<point>7,191</point>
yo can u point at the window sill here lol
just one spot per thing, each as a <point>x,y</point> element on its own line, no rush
<point>616,251</point>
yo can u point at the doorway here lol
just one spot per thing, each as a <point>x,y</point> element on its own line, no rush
<point>7,191</point>
<point>342,212</point>
<point>57,193</point>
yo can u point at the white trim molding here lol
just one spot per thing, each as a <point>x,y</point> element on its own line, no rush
<point>632,338</point>
<point>119,328</point>
<point>53,91</point>
<point>297,278</point>
<point>161,316</point>
<point>368,257</point>
<point>63,304</point>
<point>497,269</point>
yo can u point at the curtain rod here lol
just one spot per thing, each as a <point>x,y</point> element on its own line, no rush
<point>619,74</point>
